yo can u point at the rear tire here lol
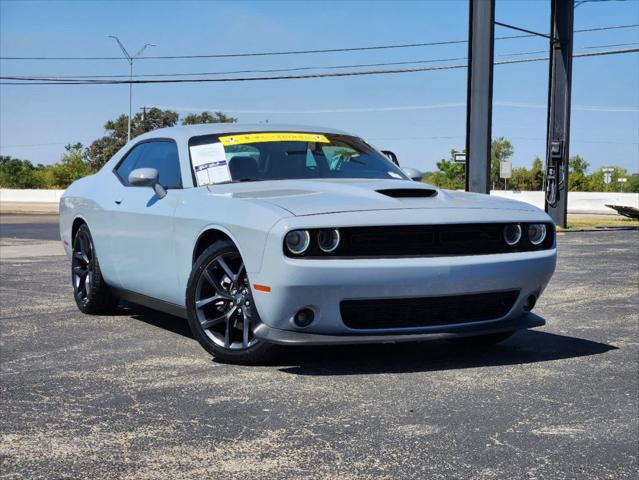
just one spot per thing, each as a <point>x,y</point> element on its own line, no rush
<point>482,341</point>
<point>91,293</point>
<point>221,311</point>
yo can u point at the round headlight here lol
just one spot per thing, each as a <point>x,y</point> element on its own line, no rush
<point>536,233</point>
<point>512,234</point>
<point>297,241</point>
<point>328,240</point>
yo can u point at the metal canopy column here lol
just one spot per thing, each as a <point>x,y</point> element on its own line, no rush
<point>558,135</point>
<point>479,101</point>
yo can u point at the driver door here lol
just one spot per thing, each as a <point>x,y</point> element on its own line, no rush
<point>142,223</point>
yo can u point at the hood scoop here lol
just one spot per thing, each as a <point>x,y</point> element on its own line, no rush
<point>408,192</point>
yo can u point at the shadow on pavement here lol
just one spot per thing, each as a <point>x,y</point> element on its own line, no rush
<point>529,346</point>
<point>157,319</point>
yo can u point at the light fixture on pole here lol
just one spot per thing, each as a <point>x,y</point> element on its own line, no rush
<point>130,59</point>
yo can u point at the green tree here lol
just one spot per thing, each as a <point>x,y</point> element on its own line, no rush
<point>595,181</point>
<point>537,175</point>
<point>577,179</point>
<point>72,165</point>
<point>16,173</point>
<point>521,179</point>
<point>450,174</point>
<point>207,117</point>
<point>501,150</point>
<point>102,149</point>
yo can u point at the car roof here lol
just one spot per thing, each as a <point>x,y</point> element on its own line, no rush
<point>184,132</point>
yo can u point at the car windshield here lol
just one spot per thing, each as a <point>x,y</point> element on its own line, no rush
<point>284,156</point>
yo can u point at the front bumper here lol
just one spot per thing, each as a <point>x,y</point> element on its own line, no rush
<point>287,337</point>
<point>322,285</point>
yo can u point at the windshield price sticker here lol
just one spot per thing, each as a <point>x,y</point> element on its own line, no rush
<point>273,137</point>
<point>209,164</point>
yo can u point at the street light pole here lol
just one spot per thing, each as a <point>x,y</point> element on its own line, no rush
<point>130,59</point>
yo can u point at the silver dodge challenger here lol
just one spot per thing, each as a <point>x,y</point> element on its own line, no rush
<point>266,235</point>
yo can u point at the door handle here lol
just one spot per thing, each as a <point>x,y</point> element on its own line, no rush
<point>118,202</point>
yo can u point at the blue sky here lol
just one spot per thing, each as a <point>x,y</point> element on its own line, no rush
<point>36,121</point>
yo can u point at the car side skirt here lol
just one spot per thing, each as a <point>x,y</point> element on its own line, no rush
<point>150,302</point>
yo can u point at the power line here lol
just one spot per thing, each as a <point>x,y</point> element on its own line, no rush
<point>581,2</point>
<point>33,145</point>
<point>586,108</point>
<point>277,70</point>
<point>35,81</point>
<point>326,50</point>
<point>420,138</point>
<point>536,139</point>
<point>230,72</point>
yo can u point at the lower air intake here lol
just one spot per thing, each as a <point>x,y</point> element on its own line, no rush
<point>426,311</point>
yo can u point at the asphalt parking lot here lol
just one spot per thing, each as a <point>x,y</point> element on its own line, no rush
<point>134,396</point>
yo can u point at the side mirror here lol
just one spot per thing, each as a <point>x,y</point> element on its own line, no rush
<point>147,177</point>
<point>413,173</point>
<point>391,156</point>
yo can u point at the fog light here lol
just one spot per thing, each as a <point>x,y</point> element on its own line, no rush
<point>328,240</point>
<point>530,303</point>
<point>297,241</point>
<point>536,233</point>
<point>304,317</point>
<point>512,234</point>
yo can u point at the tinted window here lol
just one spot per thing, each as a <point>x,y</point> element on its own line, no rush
<point>163,156</point>
<point>128,164</point>
<point>330,156</point>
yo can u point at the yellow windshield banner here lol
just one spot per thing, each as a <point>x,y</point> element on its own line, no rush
<point>272,137</point>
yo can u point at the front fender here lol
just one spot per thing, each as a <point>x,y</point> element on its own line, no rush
<point>246,222</point>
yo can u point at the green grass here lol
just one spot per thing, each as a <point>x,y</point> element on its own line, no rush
<point>594,222</point>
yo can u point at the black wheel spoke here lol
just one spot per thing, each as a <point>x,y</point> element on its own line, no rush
<point>246,324</point>
<point>213,321</point>
<point>205,301</point>
<point>227,326</point>
<point>87,284</point>
<point>208,277</point>
<point>222,263</point>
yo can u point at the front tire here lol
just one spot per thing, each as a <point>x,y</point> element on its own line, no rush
<point>220,307</point>
<point>91,293</point>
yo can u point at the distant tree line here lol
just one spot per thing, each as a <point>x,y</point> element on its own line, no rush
<point>451,175</point>
<point>78,161</point>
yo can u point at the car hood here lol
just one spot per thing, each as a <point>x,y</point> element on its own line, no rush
<point>323,196</point>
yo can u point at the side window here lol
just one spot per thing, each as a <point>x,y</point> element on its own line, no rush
<point>128,164</point>
<point>163,156</point>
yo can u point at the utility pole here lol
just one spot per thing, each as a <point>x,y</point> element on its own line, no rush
<point>144,118</point>
<point>130,59</point>
<point>559,87</point>
<point>481,39</point>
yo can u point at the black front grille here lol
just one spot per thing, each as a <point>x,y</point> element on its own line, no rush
<point>425,241</point>
<point>426,311</point>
